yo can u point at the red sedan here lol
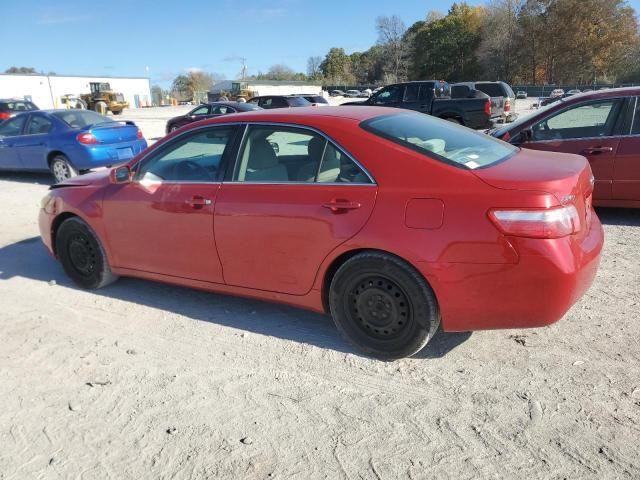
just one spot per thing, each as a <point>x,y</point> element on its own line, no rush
<point>393,222</point>
<point>604,126</point>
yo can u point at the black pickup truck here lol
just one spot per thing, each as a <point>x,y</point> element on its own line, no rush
<point>433,97</point>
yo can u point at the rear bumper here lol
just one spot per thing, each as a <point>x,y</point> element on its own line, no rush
<point>93,156</point>
<point>550,276</point>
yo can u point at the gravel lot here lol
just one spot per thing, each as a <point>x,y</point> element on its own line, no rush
<point>144,380</point>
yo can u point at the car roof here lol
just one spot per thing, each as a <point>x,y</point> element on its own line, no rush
<point>308,115</point>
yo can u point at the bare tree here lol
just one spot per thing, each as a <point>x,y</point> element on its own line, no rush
<point>313,67</point>
<point>391,34</point>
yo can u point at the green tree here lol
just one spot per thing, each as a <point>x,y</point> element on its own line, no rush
<point>336,67</point>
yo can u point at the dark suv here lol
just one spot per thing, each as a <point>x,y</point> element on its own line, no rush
<point>280,101</point>
<point>9,108</point>
<point>503,100</point>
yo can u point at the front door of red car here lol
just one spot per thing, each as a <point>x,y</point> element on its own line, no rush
<point>292,198</point>
<point>590,129</point>
<point>626,179</point>
<point>162,222</point>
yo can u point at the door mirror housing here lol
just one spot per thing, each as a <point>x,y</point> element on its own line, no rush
<point>524,136</point>
<point>121,174</point>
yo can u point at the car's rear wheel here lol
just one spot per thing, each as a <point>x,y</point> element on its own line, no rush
<point>61,168</point>
<point>383,306</point>
<point>454,120</point>
<point>82,255</point>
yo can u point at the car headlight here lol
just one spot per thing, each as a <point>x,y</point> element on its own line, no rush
<point>48,204</point>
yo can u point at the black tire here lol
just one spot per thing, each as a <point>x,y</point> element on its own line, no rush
<point>61,168</point>
<point>383,306</point>
<point>118,112</point>
<point>82,255</point>
<point>454,120</point>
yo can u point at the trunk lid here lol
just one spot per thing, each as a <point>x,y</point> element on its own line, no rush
<point>567,177</point>
<point>115,132</point>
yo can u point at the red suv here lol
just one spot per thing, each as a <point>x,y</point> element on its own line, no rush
<point>603,126</point>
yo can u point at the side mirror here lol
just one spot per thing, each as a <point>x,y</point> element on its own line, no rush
<point>524,136</point>
<point>121,174</point>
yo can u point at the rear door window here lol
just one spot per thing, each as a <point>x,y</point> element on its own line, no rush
<point>586,120</point>
<point>38,125</point>
<point>13,126</point>
<point>411,93</point>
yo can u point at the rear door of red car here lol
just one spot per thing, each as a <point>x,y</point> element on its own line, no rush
<point>589,128</point>
<point>162,222</point>
<point>291,199</point>
<point>626,181</point>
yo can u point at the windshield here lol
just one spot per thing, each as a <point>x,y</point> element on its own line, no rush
<point>441,140</point>
<point>82,118</point>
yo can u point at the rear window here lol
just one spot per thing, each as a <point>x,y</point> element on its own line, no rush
<point>17,106</point>
<point>444,141</point>
<point>298,102</point>
<point>491,89</point>
<point>82,118</point>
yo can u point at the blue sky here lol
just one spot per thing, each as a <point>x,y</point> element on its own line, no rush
<point>66,37</point>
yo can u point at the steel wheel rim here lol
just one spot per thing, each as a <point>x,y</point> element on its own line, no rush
<point>379,307</point>
<point>82,254</point>
<point>61,170</point>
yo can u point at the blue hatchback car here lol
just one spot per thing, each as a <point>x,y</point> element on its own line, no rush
<point>66,142</point>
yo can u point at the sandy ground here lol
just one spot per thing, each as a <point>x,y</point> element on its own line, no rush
<point>147,381</point>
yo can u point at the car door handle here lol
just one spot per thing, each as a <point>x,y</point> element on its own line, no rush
<point>596,150</point>
<point>341,206</point>
<point>198,202</point>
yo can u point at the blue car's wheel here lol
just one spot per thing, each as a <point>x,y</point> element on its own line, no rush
<point>62,169</point>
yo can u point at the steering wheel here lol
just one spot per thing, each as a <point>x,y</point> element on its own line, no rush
<point>190,170</point>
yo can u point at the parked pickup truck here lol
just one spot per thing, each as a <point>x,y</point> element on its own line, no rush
<point>503,100</point>
<point>433,97</point>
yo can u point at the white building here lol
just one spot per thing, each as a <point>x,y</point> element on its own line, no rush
<point>45,90</point>
<point>265,87</point>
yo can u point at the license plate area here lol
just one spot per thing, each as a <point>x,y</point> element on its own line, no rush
<point>124,153</point>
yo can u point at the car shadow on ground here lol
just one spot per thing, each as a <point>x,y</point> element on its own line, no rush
<point>619,216</point>
<point>41,178</point>
<point>29,259</point>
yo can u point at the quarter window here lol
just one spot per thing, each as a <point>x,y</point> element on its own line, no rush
<point>13,126</point>
<point>636,120</point>
<point>39,125</point>
<point>275,154</point>
<point>196,158</point>
<point>587,120</point>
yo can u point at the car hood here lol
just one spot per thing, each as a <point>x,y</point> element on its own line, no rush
<point>98,177</point>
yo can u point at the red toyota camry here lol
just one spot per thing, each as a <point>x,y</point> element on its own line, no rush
<point>393,222</point>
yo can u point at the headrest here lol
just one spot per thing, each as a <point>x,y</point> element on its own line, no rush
<point>261,155</point>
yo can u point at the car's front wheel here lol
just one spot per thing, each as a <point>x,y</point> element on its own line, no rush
<point>62,169</point>
<point>383,306</point>
<point>82,255</point>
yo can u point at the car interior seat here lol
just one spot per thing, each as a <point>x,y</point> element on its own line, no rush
<point>329,168</point>
<point>263,164</point>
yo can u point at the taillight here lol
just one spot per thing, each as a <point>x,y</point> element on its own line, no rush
<point>87,138</point>
<point>507,106</point>
<point>4,115</point>
<point>139,135</point>
<point>487,107</point>
<point>539,223</point>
